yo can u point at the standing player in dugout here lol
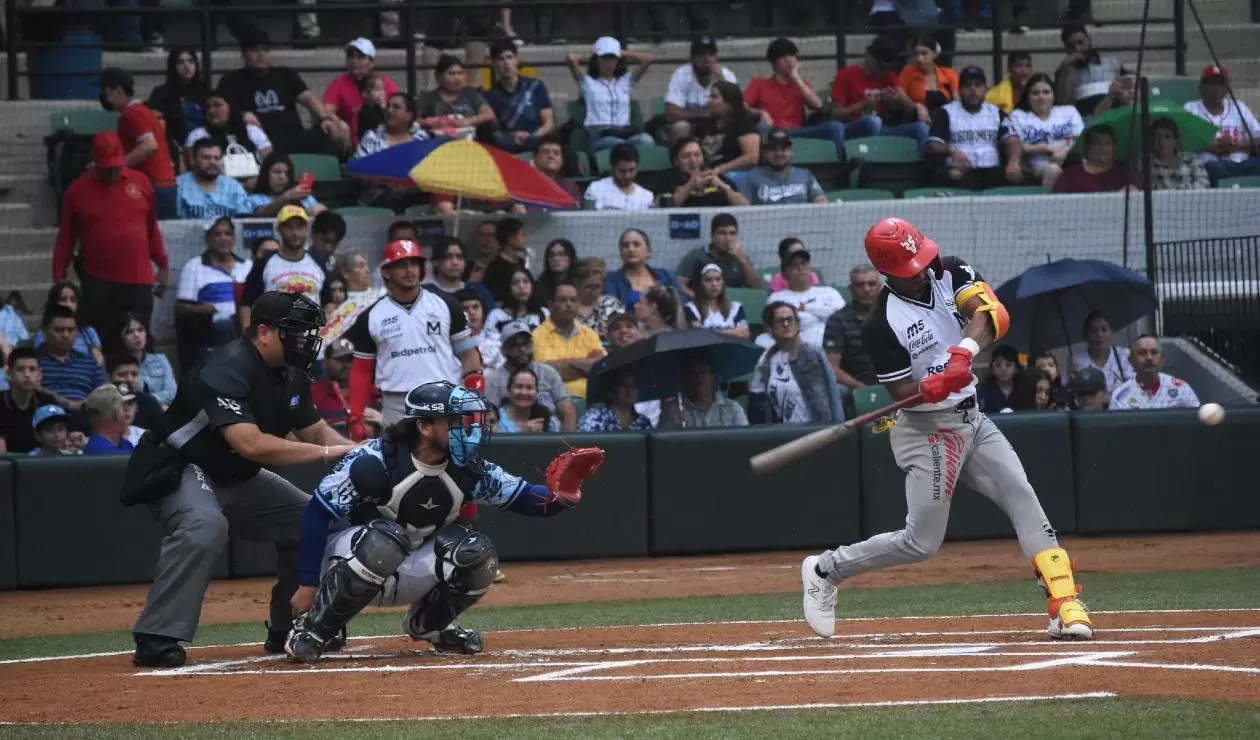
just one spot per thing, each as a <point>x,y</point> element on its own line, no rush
<point>932,317</point>
<point>408,337</point>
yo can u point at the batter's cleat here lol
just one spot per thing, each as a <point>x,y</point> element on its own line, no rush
<point>819,598</point>
<point>276,639</point>
<point>156,651</point>
<point>1072,622</point>
<point>454,639</point>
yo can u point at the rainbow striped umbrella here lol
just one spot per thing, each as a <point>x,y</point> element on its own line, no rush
<point>463,168</point>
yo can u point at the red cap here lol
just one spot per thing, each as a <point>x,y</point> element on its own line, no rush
<point>403,249</point>
<point>1214,71</point>
<point>107,151</point>
<point>896,247</point>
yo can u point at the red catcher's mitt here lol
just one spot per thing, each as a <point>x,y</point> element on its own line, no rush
<point>567,471</point>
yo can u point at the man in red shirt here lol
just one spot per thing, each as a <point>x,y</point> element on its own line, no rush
<point>109,213</point>
<point>783,98</point>
<point>343,93</point>
<point>865,97</point>
<point>143,137</point>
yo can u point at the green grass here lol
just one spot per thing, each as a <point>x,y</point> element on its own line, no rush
<point>1214,589</point>
<point>1076,720</point>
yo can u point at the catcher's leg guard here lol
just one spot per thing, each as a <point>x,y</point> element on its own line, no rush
<point>466,564</point>
<point>1068,618</point>
<point>348,586</point>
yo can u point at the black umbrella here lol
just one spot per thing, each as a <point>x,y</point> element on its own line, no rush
<point>657,361</point>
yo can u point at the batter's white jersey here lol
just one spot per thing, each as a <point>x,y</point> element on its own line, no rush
<point>910,339</point>
<point>413,344</point>
<point>1169,393</point>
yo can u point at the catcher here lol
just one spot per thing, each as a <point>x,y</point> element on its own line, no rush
<point>391,506</point>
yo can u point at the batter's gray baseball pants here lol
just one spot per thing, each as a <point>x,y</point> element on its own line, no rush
<point>195,520</point>
<point>936,449</point>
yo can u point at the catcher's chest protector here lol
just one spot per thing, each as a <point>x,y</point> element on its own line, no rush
<point>425,497</point>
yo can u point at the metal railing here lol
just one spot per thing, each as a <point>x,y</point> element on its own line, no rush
<point>1209,290</point>
<point>844,21</point>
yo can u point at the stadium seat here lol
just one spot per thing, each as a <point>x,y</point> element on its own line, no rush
<point>868,398</point>
<point>1014,190</point>
<point>852,195</point>
<point>888,163</point>
<point>1245,181</point>
<point>656,106</point>
<point>936,193</point>
<point>883,150</point>
<point>752,299</point>
<point>326,168</point>
<point>1180,90</point>
<point>526,157</point>
<point>651,159</point>
<point>83,121</point>
<point>419,211</point>
<point>365,211</point>
<point>806,152</point>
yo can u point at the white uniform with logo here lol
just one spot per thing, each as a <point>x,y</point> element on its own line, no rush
<point>937,445</point>
<point>412,344</point>
<point>1169,393</point>
<point>279,273</point>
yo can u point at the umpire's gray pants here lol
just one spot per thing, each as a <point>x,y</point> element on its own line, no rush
<point>194,520</point>
<point>936,449</point>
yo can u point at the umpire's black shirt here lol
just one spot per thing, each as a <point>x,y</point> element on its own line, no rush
<point>234,385</point>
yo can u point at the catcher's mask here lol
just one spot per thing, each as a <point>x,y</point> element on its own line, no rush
<point>298,319</point>
<point>466,412</point>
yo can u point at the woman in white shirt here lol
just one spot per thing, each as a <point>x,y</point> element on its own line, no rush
<point>1047,131</point>
<point>523,304</point>
<point>1101,353</point>
<point>712,310</point>
<point>607,88</point>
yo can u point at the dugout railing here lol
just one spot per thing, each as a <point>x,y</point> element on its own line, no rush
<point>1095,473</point>
<point>26,29</point>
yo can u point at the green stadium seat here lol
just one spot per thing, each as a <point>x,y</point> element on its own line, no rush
<point>419,211</point>
<point>83,121</point>
<point>326,168</point>
<point>1015,190</point>
<point>651,159</point>
<point>936,193</point>
<point>883,150</point>
<point>365,211</point>
<point>853,195</point>
<point>752,299</point>
<point>869,398</point>
<point>656,106</point>
<point>1245,181</point>
<point>526,157</point>
<point>1180,90</point>
<point>806,152</point>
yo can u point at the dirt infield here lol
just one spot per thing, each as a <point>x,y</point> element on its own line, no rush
<point>725,666</point>
<point>68,611</point>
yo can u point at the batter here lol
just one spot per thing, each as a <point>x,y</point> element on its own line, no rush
<point>932,317</point>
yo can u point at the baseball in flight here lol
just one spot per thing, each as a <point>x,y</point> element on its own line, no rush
<point>1211,414</point>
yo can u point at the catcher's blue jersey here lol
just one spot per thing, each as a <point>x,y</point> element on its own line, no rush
<point>382,479</point>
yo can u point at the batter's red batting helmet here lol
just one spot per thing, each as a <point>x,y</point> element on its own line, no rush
<point>403,249</point>
<point>896,247</point>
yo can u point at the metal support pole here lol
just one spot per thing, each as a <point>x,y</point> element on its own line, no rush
<point>10,48</point>
<point>208,33</point>
<point>1179,36</point>
<point>1148,215</point>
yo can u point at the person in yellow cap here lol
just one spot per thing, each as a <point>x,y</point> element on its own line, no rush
<point>289,270</point>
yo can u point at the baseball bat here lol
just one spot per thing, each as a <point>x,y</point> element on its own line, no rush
<point>777,457</point>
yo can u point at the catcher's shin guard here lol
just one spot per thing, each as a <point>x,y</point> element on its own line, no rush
<point>1068,618</point>
<point>348,586</point>
<point>466,564</point>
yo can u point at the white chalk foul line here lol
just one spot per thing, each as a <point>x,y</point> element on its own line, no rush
<point>693,710</point>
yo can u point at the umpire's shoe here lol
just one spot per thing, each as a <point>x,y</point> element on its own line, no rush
<point>277,637</point>
<point>454,639</point>
<point>156,651</point>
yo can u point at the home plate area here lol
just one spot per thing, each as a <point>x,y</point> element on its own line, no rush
<point>772,664</point>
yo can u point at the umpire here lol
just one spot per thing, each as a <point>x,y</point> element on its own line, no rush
<point>202,466</point>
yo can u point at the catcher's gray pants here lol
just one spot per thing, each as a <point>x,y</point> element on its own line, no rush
<point>936,449</point>
<point>195,520</point>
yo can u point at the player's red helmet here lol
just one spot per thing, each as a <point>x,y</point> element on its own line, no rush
<point>896,247</point>
<point>403,249</point>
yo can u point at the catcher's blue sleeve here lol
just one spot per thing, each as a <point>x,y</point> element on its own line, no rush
<point>311,542</point>
<point>502,490</point>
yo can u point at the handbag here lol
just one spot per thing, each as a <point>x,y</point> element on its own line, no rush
<point>153,472</point>
<point>240,163</point>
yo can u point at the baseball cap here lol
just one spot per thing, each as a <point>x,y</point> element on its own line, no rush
<point>780,48</point>
<point>105,400</point>
<point>288,213</point>
<point>703,45</point>
<point>795,255</point>
<point>339,348</point>
<point>271,308</point>
<point>208,226</point>
<point>971,73</point>
<point>607,46</point>
<point>1214,72</point>
<point>127,390</point>
<point>363,46</point>
<point>515,328</point>
<point>777,138</point>
<point>623,318</point>
<point>1089,380</point>
<point>49,412</point>
<point>107,151</point>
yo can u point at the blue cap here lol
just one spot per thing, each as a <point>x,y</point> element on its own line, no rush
<point>1089,380</point>
<point>47,413</point>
